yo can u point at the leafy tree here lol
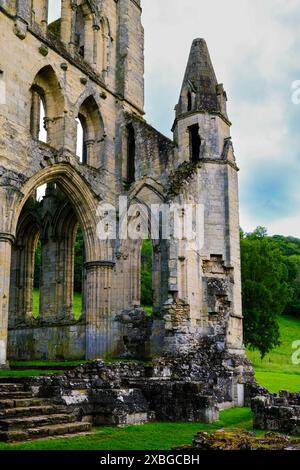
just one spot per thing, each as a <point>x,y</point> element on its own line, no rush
<point>293,266</point>
<point>265,288</point>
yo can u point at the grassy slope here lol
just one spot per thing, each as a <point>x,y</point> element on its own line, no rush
<point>276,371</point>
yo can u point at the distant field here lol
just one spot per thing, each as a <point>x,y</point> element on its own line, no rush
<point>276,371</point>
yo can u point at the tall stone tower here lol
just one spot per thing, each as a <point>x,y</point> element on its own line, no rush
<point>202,134</point>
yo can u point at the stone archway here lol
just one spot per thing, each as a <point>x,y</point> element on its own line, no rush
<point>98,338</point>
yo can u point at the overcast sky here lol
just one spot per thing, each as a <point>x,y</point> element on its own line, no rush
<point>255,49</point>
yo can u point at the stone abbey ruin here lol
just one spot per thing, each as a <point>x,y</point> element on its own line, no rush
<point>86,71</point>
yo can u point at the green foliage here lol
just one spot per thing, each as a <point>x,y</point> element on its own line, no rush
<point>37,265</point>
<point>290,248</point>
<point>55,27</point>
<point>146,274</point>
<point>77,304</point>
<point>181,177</point>
<point>276,370</point>
<point>265,287</point>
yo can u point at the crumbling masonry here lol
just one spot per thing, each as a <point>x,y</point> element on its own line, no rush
<point>86,70</point>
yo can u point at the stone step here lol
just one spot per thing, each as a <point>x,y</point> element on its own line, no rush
<point>24,402</point>
<point>15,395</point>
<point>45,431</point>
<point>10,387</point>
<point>14,380</point>
<point>59,429</point>
<point>16,412</point>
<point>14,424</point>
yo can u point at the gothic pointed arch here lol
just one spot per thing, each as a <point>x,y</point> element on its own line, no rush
<point>46,88</point>
<point>83,201</point>
<point>93,132</point>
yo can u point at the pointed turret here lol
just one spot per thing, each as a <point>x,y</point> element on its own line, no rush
<point>200,90</point>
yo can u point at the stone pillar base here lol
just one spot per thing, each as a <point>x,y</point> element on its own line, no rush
<point>5,366</point>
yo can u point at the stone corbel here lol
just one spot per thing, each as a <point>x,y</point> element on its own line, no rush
<point>20,28</point>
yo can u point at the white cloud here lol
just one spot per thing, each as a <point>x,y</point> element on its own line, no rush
<point>254,46</point>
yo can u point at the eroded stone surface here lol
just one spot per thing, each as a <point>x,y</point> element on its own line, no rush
<point>88,69</point>
<point>277,412</point>
<point>243,440</point>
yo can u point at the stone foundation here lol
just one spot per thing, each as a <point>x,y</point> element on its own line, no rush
<point>277,412</point>
<point>54,343</point>
<point>242,440</point>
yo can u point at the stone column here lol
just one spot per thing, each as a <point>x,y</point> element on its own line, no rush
<point>88,39</point>
<point>6,241</point>
<point>100,338</point>
<point>66,21</point>
<point>35,114</point>
<point>48,281</point>
<point>90,160</point>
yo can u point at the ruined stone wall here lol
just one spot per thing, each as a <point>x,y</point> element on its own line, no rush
<point>90,66</point>
<point>277,412</point>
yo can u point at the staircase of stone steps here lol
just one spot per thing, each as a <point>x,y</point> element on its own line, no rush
<point>23,417</point>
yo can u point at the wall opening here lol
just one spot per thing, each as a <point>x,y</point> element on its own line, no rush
<point>47,104</point>
<point>48,257</point>
<point>195,143</point>
<point>79,259</point>
<point>36,280</point>
<point>38,115</point>
<point>90,133</point>
<point>130,154</point>
<point>54,17</point>
<point>146,276</point>
<point>81,149</point>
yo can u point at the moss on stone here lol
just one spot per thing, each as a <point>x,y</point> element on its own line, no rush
<point>181,176</point>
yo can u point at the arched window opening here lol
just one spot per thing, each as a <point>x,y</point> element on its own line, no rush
<point>47,105</point>
<point>189,101</point>
<point>90,134</point>
<point>54,17</point>
<point>41,192</point>
<point>195,143</point>
<point>130,154</point>
<point>146,276</point>
<point>38,115</point>
<point>81,148</point>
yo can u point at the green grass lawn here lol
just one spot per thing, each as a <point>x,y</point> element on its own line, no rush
<point>276,371</point>
<point>77,304</point>
<point>150,436</point>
